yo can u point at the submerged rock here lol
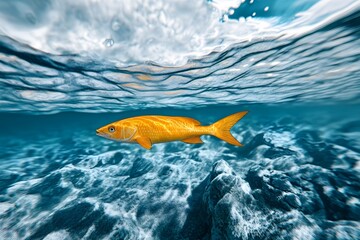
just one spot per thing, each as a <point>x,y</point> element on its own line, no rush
<point>140,167</point>
<point>294,204</point>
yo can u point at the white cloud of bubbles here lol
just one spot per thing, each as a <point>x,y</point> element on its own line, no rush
<point>128,32</point>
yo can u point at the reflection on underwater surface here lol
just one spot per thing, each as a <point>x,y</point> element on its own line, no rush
<point>297,176</point>
<point>313,57</point>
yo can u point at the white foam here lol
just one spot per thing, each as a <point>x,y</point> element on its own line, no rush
<point>246,187</point>
<point>5,206</point>
<point>353,201</point>
<point>133,32</point>
<point>59,235</point>
<point>328,189</point>
<point>303,232</point>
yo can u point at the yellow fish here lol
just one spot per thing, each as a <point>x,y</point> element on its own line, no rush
<point>148,130</point>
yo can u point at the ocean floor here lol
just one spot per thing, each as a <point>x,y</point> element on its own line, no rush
<point>297,177</point>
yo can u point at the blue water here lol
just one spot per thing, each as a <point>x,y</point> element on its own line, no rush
<point>69,68</point>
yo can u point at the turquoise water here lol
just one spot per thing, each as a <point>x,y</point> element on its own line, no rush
<point>68,68</point>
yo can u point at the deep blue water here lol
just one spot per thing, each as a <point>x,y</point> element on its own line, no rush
<point>69,68</point>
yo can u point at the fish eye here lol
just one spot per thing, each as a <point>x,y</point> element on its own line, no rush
<point>111,129</point>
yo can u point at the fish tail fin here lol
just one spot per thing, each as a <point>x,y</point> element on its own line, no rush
<point>221,129</point>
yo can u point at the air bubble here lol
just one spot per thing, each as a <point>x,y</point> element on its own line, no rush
<point>225,18</point>
<point>115,25</point>
<point>266,9</point>
<point>109,42</point>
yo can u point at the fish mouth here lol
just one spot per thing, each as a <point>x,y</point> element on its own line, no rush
<point>100,133</point>
<point>104,135</point>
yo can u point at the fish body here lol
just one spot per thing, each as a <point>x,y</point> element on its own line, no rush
<point>149,130</point>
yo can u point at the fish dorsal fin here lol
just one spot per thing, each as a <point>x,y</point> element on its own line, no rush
<point>193,121</point>
<point>144,142</point>
<point>193,140</point>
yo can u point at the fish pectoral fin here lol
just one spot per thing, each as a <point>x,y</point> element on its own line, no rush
<point>144,142</point>
<point>193,140</point>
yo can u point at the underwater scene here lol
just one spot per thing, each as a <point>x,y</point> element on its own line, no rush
<point>115,119</point>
